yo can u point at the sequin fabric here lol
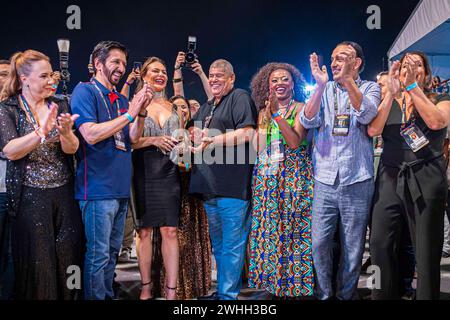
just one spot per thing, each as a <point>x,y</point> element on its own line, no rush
<point>13,124</point>
<point>46,167</point>
<point>153,129</point>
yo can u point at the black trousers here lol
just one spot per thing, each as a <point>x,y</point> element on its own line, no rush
<point>47,238</point>
<point>392,213</point>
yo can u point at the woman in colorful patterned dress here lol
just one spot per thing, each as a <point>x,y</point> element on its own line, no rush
<point>280,240</point>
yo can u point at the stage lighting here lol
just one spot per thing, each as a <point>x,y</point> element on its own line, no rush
<point>310,88</point>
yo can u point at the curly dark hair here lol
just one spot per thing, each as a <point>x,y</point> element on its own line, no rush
<point>260,83</point>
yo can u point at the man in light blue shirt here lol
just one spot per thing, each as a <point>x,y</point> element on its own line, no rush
<point>339,112</point>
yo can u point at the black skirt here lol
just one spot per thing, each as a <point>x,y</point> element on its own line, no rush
<point>157,189</point>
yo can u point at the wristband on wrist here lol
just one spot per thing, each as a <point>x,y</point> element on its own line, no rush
<point>276,114</point>
<point>278,118</point>
<point>128,84</point>
<point>129,117</point>
<point>412,86</point>
<point>177,80</point>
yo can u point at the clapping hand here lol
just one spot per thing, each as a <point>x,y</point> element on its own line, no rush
<point>272,104</point>
<point>394,79</point>
<point>141,100</point>
<point>348,57</point>
<point>65,123</point>
<point>412,65</point>
<point>319,74</point>
<point>49,121</point>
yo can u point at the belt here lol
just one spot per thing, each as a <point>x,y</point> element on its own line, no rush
<point>406,178</point>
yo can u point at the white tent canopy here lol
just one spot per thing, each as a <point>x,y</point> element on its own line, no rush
<point>427,30</point>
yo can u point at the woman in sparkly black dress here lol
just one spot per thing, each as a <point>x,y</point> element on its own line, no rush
<point>36,136</point>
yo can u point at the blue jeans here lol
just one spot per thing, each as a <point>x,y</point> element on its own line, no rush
<point>6,262</point>
<point>104,223</point>
<point>348,206</point>
<point>229,226</point>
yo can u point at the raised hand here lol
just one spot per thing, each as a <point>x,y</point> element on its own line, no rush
<point>197,67</point>
<point>49,121</point>
<point>181,58</point>
<point>348,57</point>
<point>319,74</point>
<point>141,100</point>
<point>65,123</point>
<point>394,79</point>
<point>411,65</point>
<point>135,74</point>
<point>272,103</point>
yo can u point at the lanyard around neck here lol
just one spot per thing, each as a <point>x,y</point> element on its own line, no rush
<point>208,119</point>
<point>404,121</point>
<point>105,103</point>
<point>274,125</point>
<point>336,106</point>
<point>34,122</point>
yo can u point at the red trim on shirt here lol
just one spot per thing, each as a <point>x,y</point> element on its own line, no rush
<point>85,173</point>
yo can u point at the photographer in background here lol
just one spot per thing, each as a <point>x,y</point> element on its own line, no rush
<point>178,76</point>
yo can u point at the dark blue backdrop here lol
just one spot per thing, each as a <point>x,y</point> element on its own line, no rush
<point>249,33</point>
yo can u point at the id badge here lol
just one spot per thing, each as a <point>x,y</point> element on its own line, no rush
<point>341,125</point>
<point>119,139</point>
<point>277,151</point>
<point>414,137</point>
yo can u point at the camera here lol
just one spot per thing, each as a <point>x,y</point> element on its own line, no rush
<point>190,55</point>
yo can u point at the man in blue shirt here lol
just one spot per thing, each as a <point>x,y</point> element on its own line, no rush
<point>340,111</point>
<point>103,176</point>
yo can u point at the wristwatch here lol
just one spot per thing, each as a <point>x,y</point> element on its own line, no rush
<point>40,135</point>
<point>143,115</point>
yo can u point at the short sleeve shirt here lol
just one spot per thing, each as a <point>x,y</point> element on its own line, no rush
<point>103,172</point>
<point>226,171</point>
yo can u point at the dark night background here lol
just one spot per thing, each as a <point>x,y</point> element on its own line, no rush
<point>249,33</point>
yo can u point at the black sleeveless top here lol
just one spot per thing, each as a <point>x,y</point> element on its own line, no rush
<point>396,151</point>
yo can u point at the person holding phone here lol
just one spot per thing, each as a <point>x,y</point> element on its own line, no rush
<point>134,75</point>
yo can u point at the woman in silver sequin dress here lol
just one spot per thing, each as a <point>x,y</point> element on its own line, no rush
<point>36,136</point>
<point>157,181</point>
